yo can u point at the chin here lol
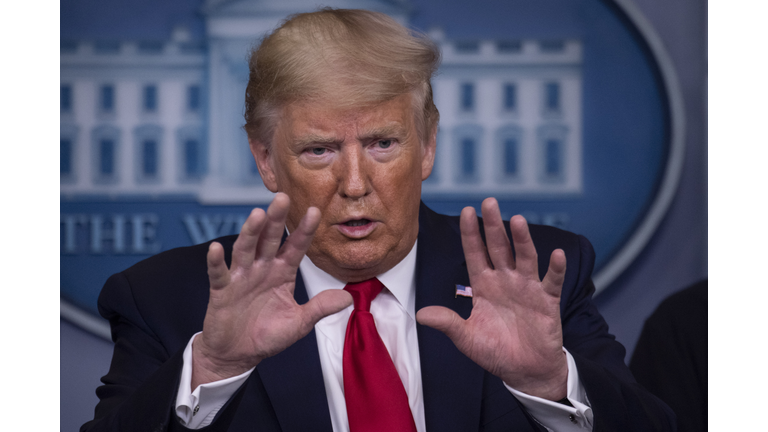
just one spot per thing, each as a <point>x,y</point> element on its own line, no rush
<point>357,255</point>
<point>357,261</point>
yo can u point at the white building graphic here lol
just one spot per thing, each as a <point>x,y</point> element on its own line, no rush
<point>158,118</point>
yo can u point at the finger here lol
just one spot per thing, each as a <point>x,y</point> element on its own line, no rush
<point>472,243</point>
<point>295,247</point>
<point>218,273</point>
<point>553,280</point>
<point>499,249</point>
<point>526,259</point>
<point>244,249</point>
<point>445,320</point>
<point>272,234</point>
<point>325,303</point>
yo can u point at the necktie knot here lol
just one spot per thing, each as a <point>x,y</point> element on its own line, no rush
<point>364,292</point>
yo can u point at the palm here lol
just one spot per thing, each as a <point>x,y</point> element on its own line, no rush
<point>252,313</point>
<point>514,330</point>
<point>506,332</point>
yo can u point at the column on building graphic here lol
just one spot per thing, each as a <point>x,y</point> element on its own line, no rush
<point>510,117</point>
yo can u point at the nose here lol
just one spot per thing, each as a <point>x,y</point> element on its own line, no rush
<point>354,178</point>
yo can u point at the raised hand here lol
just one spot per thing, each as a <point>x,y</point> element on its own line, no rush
<point>252,313</point>
<point>514,331</point>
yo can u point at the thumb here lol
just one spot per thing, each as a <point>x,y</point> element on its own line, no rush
<point>443,319</point>
<point>326,303</point>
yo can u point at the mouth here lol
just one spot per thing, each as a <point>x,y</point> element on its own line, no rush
<point>357,222</point>
<point>357,228</point>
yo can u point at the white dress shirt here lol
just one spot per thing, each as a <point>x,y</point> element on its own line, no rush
<point>394,311</point>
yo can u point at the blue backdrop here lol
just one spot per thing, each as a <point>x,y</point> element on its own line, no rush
<point>675,256</point>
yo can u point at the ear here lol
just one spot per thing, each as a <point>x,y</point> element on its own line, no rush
<point>428,149</point>
<point>263,155</point>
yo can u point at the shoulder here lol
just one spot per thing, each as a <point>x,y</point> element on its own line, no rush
<point>684,311</point>
<point>442,231</point>
<point>175,266</point>
<point>550,238</point>
<point>179,259</point>
<point>693,296</point>
<point>546,238</point>
<point>174,282</point>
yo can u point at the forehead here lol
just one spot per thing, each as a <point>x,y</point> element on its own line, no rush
<point>328,118</point>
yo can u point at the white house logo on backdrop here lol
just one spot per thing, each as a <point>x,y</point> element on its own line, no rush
<point>510,117</point>
<point>153,155</point>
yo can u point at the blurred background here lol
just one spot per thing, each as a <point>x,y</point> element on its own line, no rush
<point>587,115</point>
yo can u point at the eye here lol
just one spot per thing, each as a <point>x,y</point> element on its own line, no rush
<point>384,143</point>
<point>317,151</point>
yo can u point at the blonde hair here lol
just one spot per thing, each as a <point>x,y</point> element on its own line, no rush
<point>347,57</point>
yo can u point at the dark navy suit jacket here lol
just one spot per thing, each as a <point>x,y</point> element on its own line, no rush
<point>155,307</point>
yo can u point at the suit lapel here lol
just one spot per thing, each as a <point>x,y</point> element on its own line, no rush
<point>452,383</point>
<point>293,381</point>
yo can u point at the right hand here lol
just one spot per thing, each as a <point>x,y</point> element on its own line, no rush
<point>251,312</point>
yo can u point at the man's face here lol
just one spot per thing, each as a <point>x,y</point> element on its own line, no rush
<point>363,169</point>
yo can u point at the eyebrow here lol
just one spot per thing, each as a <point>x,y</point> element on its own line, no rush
<point>314,139</point>
<point>384,131</point>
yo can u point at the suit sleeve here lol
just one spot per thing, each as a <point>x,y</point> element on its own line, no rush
<point>153,309</point>
<point>618,402</point>
<point>139,390</point>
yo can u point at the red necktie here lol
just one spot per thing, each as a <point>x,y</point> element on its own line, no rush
<point>375,396</point>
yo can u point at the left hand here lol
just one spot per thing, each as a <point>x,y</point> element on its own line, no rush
<point>514,331</point>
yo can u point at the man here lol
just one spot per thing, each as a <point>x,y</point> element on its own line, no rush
<point>342,125</point>
<point>670,358</point>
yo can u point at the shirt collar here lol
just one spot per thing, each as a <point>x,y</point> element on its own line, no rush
<point>400,280</point>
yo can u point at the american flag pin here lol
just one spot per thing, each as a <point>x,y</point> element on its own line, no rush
<point>464,291</point>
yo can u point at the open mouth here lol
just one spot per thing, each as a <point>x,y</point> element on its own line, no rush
<point>357,222</point>
<point>357,228</point>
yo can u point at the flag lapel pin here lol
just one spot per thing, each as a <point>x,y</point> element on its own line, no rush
<point>464,291</point>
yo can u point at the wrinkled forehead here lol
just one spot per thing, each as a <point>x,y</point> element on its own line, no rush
<point>335,118</point>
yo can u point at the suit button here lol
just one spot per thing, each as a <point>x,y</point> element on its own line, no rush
<point>572,418</point>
